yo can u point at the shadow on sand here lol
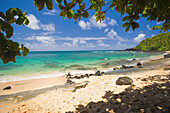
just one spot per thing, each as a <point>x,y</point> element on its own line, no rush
<point>154,98</point>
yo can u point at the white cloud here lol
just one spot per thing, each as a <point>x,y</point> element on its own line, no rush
<point>67,44</point>
<point>103,45</point>
<point>30,38</point>
<point>139,38</point>
<point>51,12</point>
<point>106,30</point>
<point>97,24</point>
<point>148,27</point>
<point>100,43</point>
<point>75,42</point>
<point>47,33</point>
<point>92,23</point>
<point>90,45</point>
<point>84,25</point>
<point>48,27</point>
<point>33,22</point>
<point>113,35</point>
<point>82,42</point>
<point>42,47</point>
<point>112,22</point>
<point>45,39</point>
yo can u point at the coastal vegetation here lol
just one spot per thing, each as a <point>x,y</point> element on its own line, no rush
<point>160,42</point>
<point>153,10</point>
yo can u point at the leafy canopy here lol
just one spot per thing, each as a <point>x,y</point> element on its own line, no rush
<point>153,10</point>
<point>8,48</point>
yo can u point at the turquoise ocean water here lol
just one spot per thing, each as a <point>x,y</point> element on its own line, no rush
<point>63,61</point>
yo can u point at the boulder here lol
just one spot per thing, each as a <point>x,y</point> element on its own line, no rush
<point>97,73</point>
<point>116,68</point>
<point>68,74</point>
<point>82,76</point>
<point>69,81</point>
<point>167,56</point>
<point>86,75</point>
<point>7,88</point>
<point>124,81</point>
<point>124,67</point>
<point>166,68</point>
<point>138,64</point>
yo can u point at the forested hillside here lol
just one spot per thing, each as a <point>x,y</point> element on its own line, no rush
<point>159,42</point>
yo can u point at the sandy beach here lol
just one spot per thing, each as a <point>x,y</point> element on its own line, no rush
<point>93,94</point>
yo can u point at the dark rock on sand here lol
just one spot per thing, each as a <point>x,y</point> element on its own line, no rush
<point>124,81</point>
<point>82,76</point>
<point>68,74</point>
<point>139,64</point>
<point>126,67</point>
<point>70,81</point>
<point>91,74</point>
<point>116,68</point>
<point>167,68</point>
<point>97,73</point>
<point>77,77</point>
<point>167,56</point>
<point>86,75</point>
<point>7,88</point>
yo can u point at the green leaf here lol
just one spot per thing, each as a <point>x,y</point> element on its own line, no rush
<point>26,22</point>
<point>61,7</point>
<point>80,1</point>
<point>2,15</point>
<point>123,11</point>
<point>134,25</point>
<point>63,13</point>
<point>127,29</point>
<point>85,14</point>
<point>65,3</point>
<point>58,1</point>
<point>126,24</point>
<point>49,4</point>
<point>83,6</point>
<point>12,21</point>
<point>20,20</point>
<point>69,14</point>
<point>40,4</point>
<point>126,18</point>
<point>8,29</point>
<point>13,12</point>
<point>25,51</point>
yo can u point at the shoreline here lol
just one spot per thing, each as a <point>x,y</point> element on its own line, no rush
<point>99,66</point>
<point>34,83</point>
<point>58,93</point>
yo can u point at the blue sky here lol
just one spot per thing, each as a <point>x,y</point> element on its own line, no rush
<point>48,31</point>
